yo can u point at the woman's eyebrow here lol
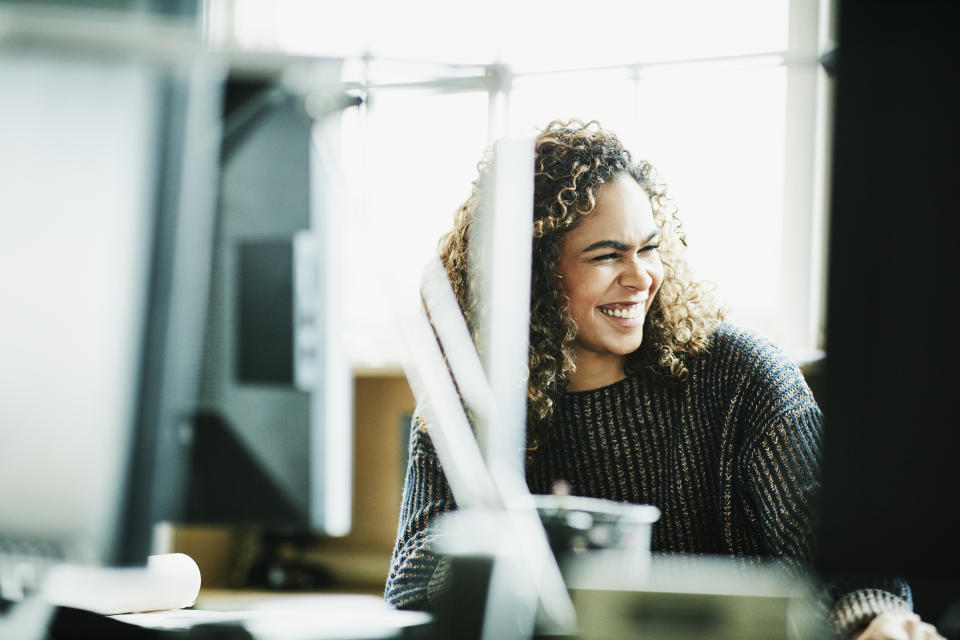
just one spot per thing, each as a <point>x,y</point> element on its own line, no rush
<point>616,244</point>
<point>606,244</point>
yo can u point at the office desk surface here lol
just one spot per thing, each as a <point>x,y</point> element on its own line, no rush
<point>297,616</point>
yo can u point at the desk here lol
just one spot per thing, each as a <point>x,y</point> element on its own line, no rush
<point>224,614</point>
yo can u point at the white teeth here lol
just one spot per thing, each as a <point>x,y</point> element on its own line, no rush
<point>634,311</point>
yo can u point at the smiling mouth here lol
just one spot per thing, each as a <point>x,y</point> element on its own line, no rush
<point>630,312</point>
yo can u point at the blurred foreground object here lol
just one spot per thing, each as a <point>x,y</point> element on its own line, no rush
<point>117,131</point>
<point>692,597</point>
<point>108,158</point>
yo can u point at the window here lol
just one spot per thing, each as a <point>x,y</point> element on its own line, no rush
<point>725,99</point>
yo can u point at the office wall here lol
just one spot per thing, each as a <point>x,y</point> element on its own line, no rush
<point>383,403</point>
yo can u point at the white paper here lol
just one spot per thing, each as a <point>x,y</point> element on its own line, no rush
<point>169,581</point>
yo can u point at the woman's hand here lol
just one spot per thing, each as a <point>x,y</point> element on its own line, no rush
<point>899,626</point>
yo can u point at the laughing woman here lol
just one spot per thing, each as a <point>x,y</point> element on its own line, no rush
<point>639,391</point>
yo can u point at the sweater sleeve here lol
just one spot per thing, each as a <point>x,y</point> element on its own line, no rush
<point>784,471</point>
<point>416,574</point>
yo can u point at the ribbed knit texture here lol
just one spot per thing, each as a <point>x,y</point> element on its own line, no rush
<point>730,456</point>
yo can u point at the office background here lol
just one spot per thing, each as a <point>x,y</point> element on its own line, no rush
<point>728,100</point>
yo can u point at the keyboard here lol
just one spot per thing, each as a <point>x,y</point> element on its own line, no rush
<point>23,564</point>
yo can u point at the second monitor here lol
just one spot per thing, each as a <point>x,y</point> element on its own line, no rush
<point>272,436</point>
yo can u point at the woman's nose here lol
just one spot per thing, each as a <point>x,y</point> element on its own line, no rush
<point>636,275</point>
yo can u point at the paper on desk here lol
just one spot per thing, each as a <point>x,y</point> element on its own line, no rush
<point>182,618</point>
<point>169,581</point>
<point>298,617</point>
<point>331,617</point>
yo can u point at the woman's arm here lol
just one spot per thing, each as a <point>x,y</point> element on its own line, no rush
<point>784,472</point>
<point>415,573</point>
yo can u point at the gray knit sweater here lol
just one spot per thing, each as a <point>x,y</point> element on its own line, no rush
<point>730,456</point>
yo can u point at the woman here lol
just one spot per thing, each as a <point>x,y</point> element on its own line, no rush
<point>638,390</point>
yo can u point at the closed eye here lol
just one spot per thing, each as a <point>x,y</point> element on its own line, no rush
<point>605,257</point>
<point>649,247</point>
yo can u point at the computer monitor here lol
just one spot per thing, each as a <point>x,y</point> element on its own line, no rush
<point>108,158</point>
<point>167,214</point>
<point>272,434</point>
<point>891,485</point>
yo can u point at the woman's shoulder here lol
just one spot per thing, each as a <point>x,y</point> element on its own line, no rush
<point>744,348</point>
<point>728,332</point>
<point>754,367</point>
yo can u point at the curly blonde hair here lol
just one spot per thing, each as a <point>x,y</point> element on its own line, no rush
<point>573,160</point>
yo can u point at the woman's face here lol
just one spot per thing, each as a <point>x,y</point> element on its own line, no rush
<point>611,271</point>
